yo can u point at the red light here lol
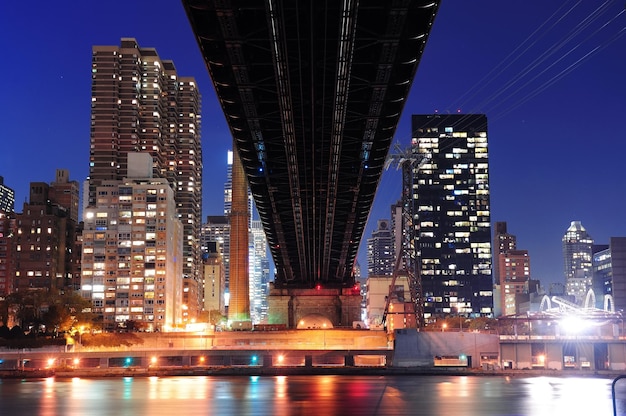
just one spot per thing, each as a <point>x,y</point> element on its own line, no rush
<point>318,286</point>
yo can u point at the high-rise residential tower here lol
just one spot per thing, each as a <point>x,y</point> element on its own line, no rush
<point>577,260</point>
<point>452,205</point>
<point>140,104</point>
<point>132,263</point>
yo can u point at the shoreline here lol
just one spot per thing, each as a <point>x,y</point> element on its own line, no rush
<point>295,371</point>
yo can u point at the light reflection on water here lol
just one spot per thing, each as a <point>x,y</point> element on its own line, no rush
<point>311,395</point>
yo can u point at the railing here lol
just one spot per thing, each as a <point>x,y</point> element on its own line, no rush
<point>613,393</point>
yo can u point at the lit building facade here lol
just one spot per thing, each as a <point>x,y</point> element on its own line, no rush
<point>132,268</point>
<point>8,228</point>
<point>45,238</point>
<point>214,282</point>
<point>511,271</point>
<point>452,205</point>
<point>514,266</point>
<point>376,294</point>
<point>577,257</point>
<point>259,273</point>
<point>140,104</point>
<point>7,197</point>
<point>503,242</point>
<point>380,250</point>
<point>609,274</point>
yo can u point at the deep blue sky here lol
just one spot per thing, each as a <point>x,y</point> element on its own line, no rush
<point>550,76</point>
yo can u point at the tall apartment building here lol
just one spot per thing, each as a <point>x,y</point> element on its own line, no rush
<point>514,266</point>
<point>503,242</point>
<point>511,271</point>
<point>140,104</point>
<point>7,197</point>
<point>380,250</point>
<point>609,274</point>
<point>451,201</point>
<point>577,259</point>
<point>132,263</point>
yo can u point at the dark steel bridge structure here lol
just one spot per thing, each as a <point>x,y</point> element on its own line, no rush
<point>312,91</point>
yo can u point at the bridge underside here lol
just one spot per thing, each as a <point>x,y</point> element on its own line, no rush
<point>312,92</point>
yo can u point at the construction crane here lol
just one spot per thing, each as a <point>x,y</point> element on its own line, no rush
<point>407,262</point>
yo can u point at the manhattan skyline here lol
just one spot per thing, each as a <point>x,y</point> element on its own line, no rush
<point>548,77</point>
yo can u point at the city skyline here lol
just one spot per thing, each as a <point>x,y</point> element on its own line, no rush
<point>548,101</point>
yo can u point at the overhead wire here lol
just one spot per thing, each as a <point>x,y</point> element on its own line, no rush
<point>507,62</point>
<point>506,97</point>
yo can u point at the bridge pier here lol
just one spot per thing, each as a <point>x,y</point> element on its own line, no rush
<point>341,306</point>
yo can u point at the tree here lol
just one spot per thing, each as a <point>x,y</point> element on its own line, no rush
<point>482,324</point>
<point>4,332</point>
<point>213,316</point>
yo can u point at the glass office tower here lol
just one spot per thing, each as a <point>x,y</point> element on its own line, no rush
<point>452,210</point>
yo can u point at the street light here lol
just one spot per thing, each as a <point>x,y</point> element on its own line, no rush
<point>443,327</point>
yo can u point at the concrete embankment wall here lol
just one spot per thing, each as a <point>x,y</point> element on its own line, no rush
<point>420,349</point>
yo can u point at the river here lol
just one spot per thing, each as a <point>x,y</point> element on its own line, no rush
<point>312,395</point>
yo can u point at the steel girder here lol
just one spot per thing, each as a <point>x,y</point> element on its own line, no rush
<point>312,91</point>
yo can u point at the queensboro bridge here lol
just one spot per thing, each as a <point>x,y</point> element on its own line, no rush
<point>312,92</point>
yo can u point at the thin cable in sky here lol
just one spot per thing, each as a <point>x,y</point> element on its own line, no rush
<point>562,57</point>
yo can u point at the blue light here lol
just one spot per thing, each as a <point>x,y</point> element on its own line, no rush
<point>254,359</point>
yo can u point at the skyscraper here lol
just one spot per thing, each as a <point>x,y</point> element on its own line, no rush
<point>140,104</point>
<point>452,206</point>
<point>577,256</point>
<point>259,273</point>
<point>609,274</point>
<point>7,197</point>
<point>380,250</point>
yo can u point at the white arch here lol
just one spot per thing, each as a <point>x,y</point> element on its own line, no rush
<point>609,306</point>
<point>590,299</point>
<point>545,301</point>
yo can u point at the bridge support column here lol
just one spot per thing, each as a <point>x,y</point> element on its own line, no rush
<point>349,361</point>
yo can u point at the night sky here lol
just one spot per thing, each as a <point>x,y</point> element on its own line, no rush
<point>550,76</point>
